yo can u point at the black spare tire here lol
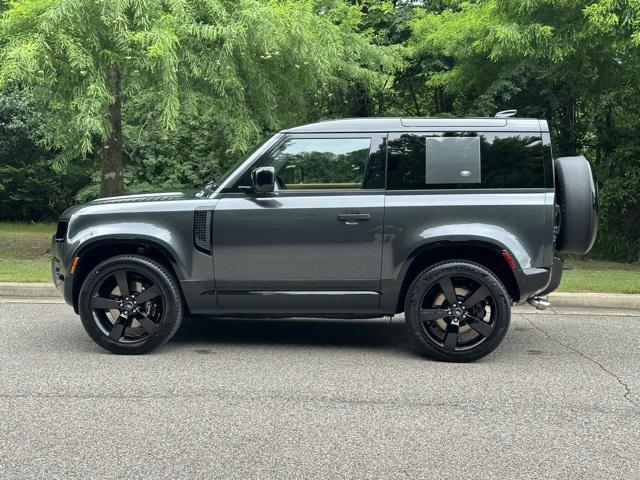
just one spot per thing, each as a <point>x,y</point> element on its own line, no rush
<point>577,199</point>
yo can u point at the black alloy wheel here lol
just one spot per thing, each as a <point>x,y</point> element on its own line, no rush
<point>130,304</point>
<point>457,311</point>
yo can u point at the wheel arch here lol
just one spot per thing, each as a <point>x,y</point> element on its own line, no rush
<point>96,251</point>
<point>487,254</point>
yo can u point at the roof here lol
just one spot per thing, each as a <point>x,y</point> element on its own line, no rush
<point>421,124</point>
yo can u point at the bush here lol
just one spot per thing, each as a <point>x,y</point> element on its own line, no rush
<point>30,188</point>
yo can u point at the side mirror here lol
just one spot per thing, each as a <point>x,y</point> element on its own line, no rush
<point>263,179</point>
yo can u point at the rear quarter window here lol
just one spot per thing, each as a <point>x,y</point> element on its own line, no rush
<point>462,160</point>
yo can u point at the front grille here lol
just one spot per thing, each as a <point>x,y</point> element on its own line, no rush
<point>202,230</point>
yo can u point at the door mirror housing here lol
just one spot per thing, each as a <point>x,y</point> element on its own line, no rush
<point>263,179</point>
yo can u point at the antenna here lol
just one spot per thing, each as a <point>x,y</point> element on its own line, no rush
<point>506,114</point>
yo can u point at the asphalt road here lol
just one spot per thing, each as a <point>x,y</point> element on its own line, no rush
<point>318,399</point>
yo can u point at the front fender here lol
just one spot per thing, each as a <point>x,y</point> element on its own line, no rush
<point>84,234</point>
<point>180,267</point>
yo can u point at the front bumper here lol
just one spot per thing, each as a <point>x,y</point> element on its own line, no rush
<point>59,272</point>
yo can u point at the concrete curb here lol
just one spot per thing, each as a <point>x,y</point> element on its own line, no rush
<point>558,299</point>
<point>595,300</point>
<point>15,289</point>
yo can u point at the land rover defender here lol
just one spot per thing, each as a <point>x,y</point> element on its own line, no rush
<point>450,221</point>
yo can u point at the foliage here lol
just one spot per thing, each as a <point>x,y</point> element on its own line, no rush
<point>29,187</point>
<point>255,63</point>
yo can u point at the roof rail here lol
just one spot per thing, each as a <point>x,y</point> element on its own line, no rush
<point>506,113</point>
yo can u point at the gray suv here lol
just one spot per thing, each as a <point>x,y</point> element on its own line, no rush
<point>450,221</point>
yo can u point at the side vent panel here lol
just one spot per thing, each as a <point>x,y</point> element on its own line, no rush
<point>202,230</point>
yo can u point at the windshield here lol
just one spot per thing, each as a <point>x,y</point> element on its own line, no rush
<point>213,184</point>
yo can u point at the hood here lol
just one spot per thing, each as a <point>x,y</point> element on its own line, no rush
<point>146,197</point>
<point>101,204</point>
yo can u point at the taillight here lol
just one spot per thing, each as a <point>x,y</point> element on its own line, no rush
<point>510,261</point>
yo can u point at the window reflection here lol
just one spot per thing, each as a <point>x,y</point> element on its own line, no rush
<point>507,161</point>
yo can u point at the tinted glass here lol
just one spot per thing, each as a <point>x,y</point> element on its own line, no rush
<point>323,163</point>
<point>507,160</point>
<point>452,160</point>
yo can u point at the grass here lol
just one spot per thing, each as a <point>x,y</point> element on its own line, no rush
<point>600,276</point>
<point>25,250</point>
<point>24,270</point>
<point>29,228</point>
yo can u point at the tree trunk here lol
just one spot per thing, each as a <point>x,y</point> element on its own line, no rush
<point>415,101</point>
<point>112,183</point>
<point>567,137</point>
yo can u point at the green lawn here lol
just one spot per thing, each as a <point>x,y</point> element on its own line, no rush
<point>24,270</point>
<point>601,276</point>
<point>25,249</point>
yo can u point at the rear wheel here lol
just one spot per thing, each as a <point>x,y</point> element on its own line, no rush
<point>130,304</point>
<point>457,311</point>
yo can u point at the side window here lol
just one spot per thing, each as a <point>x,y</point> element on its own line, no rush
<point>465,160</point>
<point>323,163</point>
<point>452,160</point>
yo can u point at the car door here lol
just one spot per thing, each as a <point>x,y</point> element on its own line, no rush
<point>314,245</point>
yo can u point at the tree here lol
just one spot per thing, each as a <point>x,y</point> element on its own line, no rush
<point>405,91</point>
<point>257,63</point>
<point>29,188</point>
<point>574,62</point>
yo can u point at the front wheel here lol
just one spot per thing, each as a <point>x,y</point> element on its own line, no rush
<point>130,304</point>
<point>457,311</point>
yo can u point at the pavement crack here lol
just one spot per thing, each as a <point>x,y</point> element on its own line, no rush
<point>627,394</point>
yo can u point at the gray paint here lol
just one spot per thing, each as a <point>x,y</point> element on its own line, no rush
<point>513,221</point>
<point>166,223</point>
<point>289,253</point>
<point>291,242</point>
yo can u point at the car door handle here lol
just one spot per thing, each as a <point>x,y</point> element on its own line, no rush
<point>353,218</point>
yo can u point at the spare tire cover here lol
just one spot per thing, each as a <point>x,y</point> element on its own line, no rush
<point>576,195</point>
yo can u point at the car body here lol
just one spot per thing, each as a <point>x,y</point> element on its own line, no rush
<point>339,248</point>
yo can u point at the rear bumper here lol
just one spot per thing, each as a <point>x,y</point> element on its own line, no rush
<point>539,281</point>
<point>555,278</point>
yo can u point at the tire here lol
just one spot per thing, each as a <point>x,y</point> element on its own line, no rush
<point>137,320</point>
<point>577,199</point>
<point>457,311</point>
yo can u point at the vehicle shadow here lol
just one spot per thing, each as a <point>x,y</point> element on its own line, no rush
<point>366,333</point>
